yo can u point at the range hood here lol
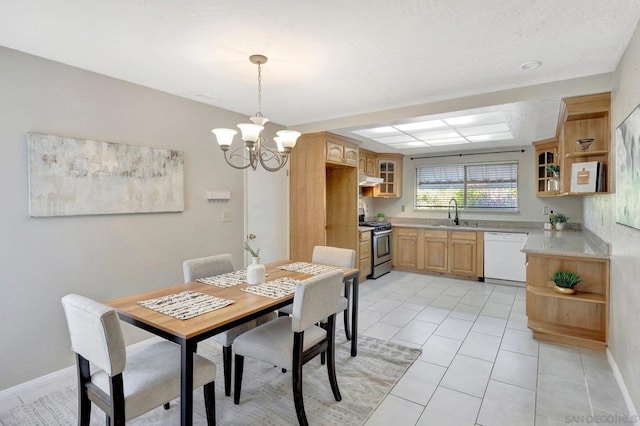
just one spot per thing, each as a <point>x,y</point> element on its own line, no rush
<point>364,180</point>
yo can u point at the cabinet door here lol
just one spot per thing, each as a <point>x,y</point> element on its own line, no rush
<point>408,250</point>
<point>463,257</point>
<point>335,152</point>
<point>350,156</point>
<point>436,251</point>
<point>362,164</point>
<point>370,168</point>
<point>546,183</point>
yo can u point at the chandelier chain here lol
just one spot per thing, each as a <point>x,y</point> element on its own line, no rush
<point>259,90</point>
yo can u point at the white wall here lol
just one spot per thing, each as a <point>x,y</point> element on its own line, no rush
<point>531,207</point>
<point>599,214</point>
<point>107,256</point>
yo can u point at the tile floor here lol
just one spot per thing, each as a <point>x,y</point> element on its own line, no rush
<point>479,363</point>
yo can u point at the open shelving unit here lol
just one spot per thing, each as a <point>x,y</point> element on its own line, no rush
<point>579,320</point>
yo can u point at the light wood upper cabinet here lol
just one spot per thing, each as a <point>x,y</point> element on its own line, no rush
<point>389,168</point>
<point>367,162</point>
<point>581,117</point>
<point>546,152</point>
<point>341,151</point>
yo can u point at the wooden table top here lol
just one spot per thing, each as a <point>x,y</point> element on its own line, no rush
<point>244,304</point>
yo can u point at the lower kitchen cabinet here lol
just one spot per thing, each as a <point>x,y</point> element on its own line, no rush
<point>364,256</point>
<point>406,248</point>
<point>436,251</point>
<point>455,253</point>
<point>580,319</point>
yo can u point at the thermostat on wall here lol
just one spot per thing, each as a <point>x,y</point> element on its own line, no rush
<point>218,195</point>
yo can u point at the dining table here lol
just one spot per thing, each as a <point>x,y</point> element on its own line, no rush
<point>246,306</point>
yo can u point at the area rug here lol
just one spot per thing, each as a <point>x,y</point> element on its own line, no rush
<point>267,397</point>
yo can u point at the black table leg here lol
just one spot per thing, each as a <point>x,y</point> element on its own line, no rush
<point>187,348</point>
<point>354,315</point>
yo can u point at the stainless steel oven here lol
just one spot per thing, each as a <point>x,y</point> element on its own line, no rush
<point>381,254</point>
<point>381,247</point>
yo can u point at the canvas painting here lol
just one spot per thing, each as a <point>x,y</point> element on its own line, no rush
<point>628,170</point>
<point>70,176</point>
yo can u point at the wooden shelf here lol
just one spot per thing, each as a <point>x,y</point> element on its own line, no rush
<point>582,154</point>
<point>579,296</point>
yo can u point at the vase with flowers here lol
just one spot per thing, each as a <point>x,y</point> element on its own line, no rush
<point>256,272</point>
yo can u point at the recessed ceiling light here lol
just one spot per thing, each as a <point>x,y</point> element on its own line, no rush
<point>491,137</point>
<point>447,141</point>
<point>530,65</point>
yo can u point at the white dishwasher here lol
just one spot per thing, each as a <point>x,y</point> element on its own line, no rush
<point>504,263</point>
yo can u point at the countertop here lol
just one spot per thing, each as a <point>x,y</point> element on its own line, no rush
<point>560,243</point>
<point>365,228</point>
<point>483,228</point>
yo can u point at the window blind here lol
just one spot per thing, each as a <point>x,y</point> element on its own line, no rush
<point>473,186</point>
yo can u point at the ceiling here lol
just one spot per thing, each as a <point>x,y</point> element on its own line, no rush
<point>343,65</point>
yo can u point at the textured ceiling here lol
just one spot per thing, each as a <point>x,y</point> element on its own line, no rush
<point>328,59</point>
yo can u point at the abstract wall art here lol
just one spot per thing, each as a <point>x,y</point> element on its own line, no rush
<point>628,171</point>
<point>70,176</point>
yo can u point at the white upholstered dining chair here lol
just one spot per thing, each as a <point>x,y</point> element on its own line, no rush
<point>333,256</point>
<point>125,386</point>
<point>204,267</point>
<point>291,341</point>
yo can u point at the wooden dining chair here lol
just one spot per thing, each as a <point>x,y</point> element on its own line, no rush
<point>204,267</point>
<point>125,385</point>
<point>291,341</point>
<point>340,257</point>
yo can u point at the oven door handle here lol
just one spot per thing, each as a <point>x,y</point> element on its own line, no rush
<point>381,233</point>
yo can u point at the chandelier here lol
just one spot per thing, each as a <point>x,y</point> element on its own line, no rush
<point>255,149</point>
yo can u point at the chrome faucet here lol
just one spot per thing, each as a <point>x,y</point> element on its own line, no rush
<point>456,220</point>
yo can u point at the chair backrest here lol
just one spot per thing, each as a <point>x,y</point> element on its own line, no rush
<point>315,299</point>
<point>203,267</point>
<point>95,333</point>
<point>334,256</point>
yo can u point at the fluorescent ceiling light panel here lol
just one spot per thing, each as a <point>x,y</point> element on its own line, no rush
<point>490,137</point>
<point>420,125</point>
<point>378,131</point>
<point>447,141</point>
<point>483,130</point>
<point>477,119</point>
<point>437,135</point>
<point>408,145</point>
<point>394,139</point>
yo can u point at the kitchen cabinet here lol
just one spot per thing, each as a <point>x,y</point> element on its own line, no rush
<point>444,252</point>
<point>389,168</point>
<point>341,151</point>
<point>367,162</point>
<point>364,255</point>
<point>323,196</point>
<point>580,117</point>
<point>407,248</point>
<point>436,250</point>
<point>578,320</point>
<point>546,152</point>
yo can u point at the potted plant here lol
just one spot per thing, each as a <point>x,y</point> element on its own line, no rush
<point>560,220</point>
<point>565,281</point>
<point>553,184</point>
<point>554,169</point>
<point>380,217</point>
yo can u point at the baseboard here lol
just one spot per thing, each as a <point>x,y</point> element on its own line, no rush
<point>623,388</point>
<point>67,373</point>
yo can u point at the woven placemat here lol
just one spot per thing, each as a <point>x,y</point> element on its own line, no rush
<point>274,289</point>
<point>226,280</point>
<point>185,305</point>
<point>307,268</point>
